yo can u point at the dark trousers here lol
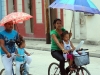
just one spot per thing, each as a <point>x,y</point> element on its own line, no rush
<point>59,56</point>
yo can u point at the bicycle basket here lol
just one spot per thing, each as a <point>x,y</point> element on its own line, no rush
<point>82,59</point>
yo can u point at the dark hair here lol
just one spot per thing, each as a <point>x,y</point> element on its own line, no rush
<point>20,41</point>
<point>54,22</point>
<point>63,34</point>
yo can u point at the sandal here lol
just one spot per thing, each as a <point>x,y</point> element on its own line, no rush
<point>71,68</point>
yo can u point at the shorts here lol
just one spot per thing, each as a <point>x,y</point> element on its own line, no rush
<point>68,56</point>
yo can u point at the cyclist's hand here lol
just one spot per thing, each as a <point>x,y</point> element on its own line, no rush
<point>28,54</point>
<point>69,51</point>
<point>65,51</point>
<point>8,55</point>
<point>17,55</point>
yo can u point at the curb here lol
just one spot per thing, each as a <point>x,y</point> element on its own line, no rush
<point>90,42</point>
<point>48,49</point>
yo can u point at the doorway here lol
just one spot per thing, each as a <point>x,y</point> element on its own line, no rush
<point>53,15</point>
<point>10,6</point>
<point>28,9</point>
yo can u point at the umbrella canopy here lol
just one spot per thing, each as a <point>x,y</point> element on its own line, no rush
<point>76,5</point>
<point>16,17</point>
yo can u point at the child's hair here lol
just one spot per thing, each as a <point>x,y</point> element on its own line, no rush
<point>54,22</point>
<point>64,33</point>
<point>20,41</point>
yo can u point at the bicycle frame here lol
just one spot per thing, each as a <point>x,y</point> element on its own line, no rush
<point>22,66</point>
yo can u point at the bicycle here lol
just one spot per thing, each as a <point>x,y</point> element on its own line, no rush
<point>79,70</point>
<point>23,70</point>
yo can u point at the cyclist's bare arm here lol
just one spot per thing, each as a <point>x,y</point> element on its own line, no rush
<point>27,53</point>
<point>58,43</point>
<point>3,48</point>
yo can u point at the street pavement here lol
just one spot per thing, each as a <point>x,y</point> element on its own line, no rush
<point>94,50</point>
<point>42,59</point>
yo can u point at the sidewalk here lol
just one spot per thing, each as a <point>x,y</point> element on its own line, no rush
<point>94,50</point>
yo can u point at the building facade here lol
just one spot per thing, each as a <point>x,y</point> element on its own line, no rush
<point>85,26</point>
<point>35,27</point>
<point>2,11</point>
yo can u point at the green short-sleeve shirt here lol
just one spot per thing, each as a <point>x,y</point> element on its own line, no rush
<point>54,46</point>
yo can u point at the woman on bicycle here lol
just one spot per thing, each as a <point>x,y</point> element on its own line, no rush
<point>68,45</point>
<point>19,53</point>
<point>57,49</point>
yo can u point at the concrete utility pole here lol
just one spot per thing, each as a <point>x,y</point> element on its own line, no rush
<point>47,22</point>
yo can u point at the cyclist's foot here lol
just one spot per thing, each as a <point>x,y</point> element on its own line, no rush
<point>67,70</point>
<point>72,69</point>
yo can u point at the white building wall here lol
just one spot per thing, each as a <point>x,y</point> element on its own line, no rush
<point>89,31</point>
<point>58,13</point>
<point>19,5</point>
<point>4,9</point>
<point>67,19</point>
<point>93,25</point>
<point>3,12</point>
<point>39,11</point>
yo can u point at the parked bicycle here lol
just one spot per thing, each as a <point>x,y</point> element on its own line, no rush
<point>23,70</point>
<point>79,63</point>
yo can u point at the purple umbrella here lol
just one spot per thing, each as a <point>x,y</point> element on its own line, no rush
<point>76,5</point>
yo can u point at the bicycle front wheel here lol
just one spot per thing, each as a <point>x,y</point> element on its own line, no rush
<point>83,71</point>
<point>2,72</point>
<point>23,71</point>
<point>54,69</point>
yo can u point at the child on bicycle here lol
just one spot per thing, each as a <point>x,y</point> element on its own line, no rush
<point>67,44</point>
<point>19,59</point>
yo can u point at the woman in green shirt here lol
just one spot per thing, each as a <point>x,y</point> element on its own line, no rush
<point>56,48</point>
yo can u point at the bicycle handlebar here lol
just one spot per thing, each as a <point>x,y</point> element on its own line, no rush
<point>22,55</point>
<point>82,49</point>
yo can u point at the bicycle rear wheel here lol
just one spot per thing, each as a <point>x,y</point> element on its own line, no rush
<point>54,69</point>
<point>2,72</point>
<point>83,71</point>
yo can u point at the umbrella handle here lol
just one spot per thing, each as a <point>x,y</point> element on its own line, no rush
<point>72,20</point>
<point>70,34</point>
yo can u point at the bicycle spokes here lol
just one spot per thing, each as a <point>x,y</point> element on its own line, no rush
<point>83,72</point>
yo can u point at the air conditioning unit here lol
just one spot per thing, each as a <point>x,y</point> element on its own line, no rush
<point>88,14</point>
